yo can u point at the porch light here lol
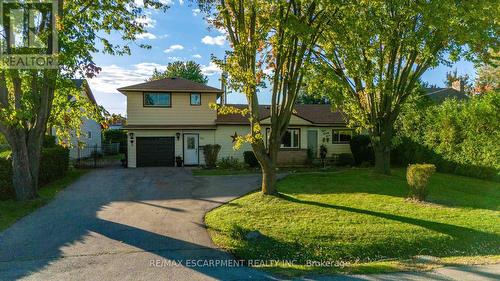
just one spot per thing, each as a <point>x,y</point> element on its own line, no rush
<point>131,138</point>
<point>178,135</point>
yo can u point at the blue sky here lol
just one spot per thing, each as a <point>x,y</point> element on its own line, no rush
<point>181,33</point>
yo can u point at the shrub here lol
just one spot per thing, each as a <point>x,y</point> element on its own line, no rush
<point>229,163</point>
<point>6,190</point>
<point>345,159</point>
<point>417,176</point>
<point>250,159</point>
<point>54,164</point>
<point>49,141</point>
<point>211,152</point>
<point>362,149</point>
<point>459,137</point>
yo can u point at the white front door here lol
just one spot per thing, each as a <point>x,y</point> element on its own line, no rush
<point>191,149</point>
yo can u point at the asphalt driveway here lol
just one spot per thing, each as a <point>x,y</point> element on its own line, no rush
<point>126,224</point>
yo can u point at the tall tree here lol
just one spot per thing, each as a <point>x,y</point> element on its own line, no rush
<point>488,76</point>
<point>376,51</point>
<point>27,97</point>
<point>189,70</point>
<point>277,36</point>
<point>465,80</point>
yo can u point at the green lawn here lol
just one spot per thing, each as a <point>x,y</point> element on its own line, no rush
<point>11,210</point>
<point>361,219</point>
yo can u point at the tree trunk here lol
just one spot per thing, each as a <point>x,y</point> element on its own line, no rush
<point>269,179</point>
<point>25,186</point>
<point>382,144</point>
<point>382,158</point>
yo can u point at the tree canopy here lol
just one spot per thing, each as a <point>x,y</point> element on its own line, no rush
<point>375,52</point>
<point>28,98</point>
<point>271,41</point>
<point>189,70</point>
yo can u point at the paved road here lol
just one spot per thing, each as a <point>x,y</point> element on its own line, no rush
<point>145,224</point>
<point>125,224</point>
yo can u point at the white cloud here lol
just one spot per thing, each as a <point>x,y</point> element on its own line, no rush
<point>147,35</point>
<point>218,40</point>
<point>197,56</point>
<point>112,77</point>
<point>175,58</point>
<point>163,36</point>
<point>210,69</point>
<point>181,2</point>
<point>174,48</point>
<point>196,12</point>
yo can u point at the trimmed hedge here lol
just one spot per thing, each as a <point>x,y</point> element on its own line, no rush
<point>54,164</point>
<point>362,149</point>
<point>6,191</point>
<point>459,137</point>
<point>250,159</point>
<point>211,152</point>
<point>345,159</point>
<point>417,176</point>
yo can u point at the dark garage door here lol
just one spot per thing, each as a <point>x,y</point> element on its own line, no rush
<point>155,152</point>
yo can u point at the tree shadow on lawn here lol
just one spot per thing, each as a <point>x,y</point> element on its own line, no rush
<point>444,189</point>
<point>457,241</point>
<point>463,241</point>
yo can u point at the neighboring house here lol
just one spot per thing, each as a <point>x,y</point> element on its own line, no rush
<point>438,95</point>
<point>171,117</point>
<point>116,125</point>
<point>91,131</point>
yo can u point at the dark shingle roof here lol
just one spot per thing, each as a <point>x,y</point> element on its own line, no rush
<point>438,95</point>
<point>320,114</point>
<point>171,85</point>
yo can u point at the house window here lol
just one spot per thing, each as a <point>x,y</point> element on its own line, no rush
<point>157,99</point>
<point>291,139</point>
<point>89,134</point>
<point>195,99</point>
<point>341,136</point>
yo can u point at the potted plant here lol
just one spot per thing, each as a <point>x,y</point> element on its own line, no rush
<point>178,161</point>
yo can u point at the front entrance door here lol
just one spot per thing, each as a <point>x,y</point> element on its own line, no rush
<point>312,142</point>
<point>191,156</point>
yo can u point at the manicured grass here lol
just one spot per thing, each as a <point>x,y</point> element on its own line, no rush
<point>362,219</point>
<point>11,210</point>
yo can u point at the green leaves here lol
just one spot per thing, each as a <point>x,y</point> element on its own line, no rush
<point>189,70</point>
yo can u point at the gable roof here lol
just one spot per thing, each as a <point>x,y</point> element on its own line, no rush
<point>320,114</point>
<point>175,84</point>
<point>83,84</point>
<point>439,95</point>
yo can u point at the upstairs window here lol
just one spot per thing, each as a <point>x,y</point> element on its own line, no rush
<point>341,136</point>
<point>157,100</point>
<point>195,99</point>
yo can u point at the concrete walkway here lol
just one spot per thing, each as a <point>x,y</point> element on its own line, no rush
<point>466,273</point>
<point>143,224</point>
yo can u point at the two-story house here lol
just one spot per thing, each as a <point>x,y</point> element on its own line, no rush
<point>171,117</point>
